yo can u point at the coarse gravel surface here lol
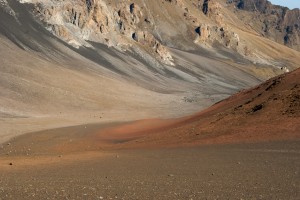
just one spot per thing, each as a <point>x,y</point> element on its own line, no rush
<point>238,171</point>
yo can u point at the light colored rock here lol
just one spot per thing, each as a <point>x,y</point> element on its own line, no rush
<point>78,22</point>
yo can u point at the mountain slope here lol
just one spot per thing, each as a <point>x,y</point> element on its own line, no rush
<point>150,59</point>
<point>277,23</point>
<point>270,111</point>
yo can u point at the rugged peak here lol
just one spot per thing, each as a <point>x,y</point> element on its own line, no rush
<point>253,5</point>
<point>274,22</point>
<point>141,26</point>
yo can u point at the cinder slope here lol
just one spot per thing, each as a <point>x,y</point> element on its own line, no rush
<point>270,111</point>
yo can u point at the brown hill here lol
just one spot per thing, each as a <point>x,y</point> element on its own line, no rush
<point>270,111</point>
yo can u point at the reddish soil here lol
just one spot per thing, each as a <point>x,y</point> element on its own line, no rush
<point>270,111</point>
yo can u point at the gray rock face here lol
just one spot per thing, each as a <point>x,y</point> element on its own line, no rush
<point>253,5</point>
<point>274,22</point>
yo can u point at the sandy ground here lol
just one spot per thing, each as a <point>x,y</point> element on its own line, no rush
<point>247,171</point>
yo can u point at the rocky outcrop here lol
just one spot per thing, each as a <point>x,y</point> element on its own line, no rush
<point>81,21</point>
<point>146,39</point>
<point>277,23</point>
<point>217,31</point>
<point>151,26</point>
<point>205,7</point>
<point>253,5</point>
<point>210,34</point>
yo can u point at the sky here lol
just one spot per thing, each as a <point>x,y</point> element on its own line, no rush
<point>288,3</point>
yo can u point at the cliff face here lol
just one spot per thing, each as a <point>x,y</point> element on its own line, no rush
<point>107,22</point>
<point>148,26</point>
<point>277,23</point>
<point>151,26</point>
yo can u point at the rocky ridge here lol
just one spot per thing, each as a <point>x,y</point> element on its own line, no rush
<point>277,23</point>
<point>141,26</point>
<point>113,24</point>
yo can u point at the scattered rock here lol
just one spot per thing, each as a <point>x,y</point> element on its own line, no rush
<point>257,108</point>
<point>205,7</point>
